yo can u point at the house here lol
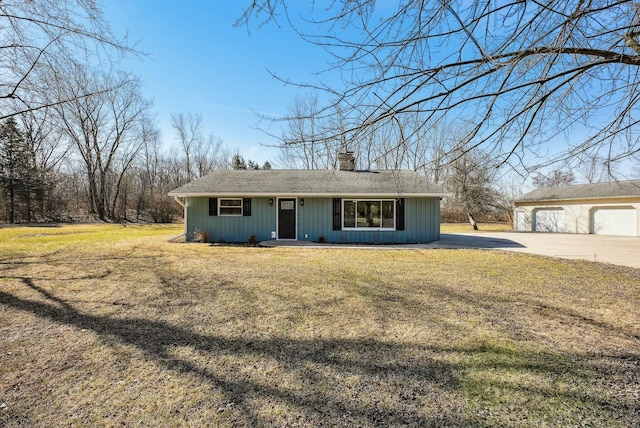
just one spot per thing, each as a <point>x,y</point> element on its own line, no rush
<point>312,205</point>
<point>610,208</point>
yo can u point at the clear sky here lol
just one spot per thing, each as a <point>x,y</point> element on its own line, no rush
<point>200,63</point>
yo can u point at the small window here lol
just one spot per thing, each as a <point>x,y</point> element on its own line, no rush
<point>287,205</point>
<point>230,206</point>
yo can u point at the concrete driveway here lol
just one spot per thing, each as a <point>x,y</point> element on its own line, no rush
<point>617,250</point>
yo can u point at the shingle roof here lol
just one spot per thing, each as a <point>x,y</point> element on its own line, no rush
<point>613,189</point>
<point>309,183</point>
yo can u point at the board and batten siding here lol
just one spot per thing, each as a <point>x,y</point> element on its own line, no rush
<point>230,228</point>
<point>314,220</point>
<point>421,219</point>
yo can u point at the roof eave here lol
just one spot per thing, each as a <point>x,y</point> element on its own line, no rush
<point>583,198</point>
<point>309,195</point>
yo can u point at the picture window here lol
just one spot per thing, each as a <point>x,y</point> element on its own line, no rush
<point>369,214</point>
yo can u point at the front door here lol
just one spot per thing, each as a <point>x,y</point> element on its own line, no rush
<point>287,218</point>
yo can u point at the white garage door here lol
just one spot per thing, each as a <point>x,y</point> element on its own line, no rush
<point>615,221</point>
<point>549,220</point>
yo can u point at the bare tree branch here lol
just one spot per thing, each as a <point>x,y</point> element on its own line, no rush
<point>523,73</point>
<point>37,37</point>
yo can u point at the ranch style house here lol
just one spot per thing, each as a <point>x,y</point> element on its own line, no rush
<point>339,206</point>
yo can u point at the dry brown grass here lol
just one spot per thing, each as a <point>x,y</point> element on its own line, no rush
<point>482,227</point>
<point>104,326</point>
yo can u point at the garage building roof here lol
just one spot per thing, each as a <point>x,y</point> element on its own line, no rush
<point>612,189</point>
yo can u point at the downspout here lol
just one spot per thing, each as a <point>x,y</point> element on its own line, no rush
<point>184,208</point>
<point>177,199</point>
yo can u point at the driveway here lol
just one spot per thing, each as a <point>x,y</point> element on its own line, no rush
<point>617,250</point>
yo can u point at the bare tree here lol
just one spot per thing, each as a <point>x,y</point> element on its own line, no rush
<point>210,155</point>
<point>199,155</point>
<point>103,128</point>
<point>312,140</point>
<point>189,132</point>
<point>302,137</point>
<point>592,168</point>
<point>437,154</point>
<point>402,143</point>
<point>555,178</point>
<point>148,170</point>
<point>45,138</point>
<point>524,72</point>
<point>470,177</point>
<point>48,149</point>
<point>36,37</point>
<point>157,173</point>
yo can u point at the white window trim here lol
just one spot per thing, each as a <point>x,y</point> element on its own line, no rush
<point>230,199</point>
<point>369,229</point>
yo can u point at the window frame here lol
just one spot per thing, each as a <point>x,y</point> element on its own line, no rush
<point>240,206</point>
<point>374,228</point>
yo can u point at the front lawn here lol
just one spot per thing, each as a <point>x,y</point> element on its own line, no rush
<point>111,325</point>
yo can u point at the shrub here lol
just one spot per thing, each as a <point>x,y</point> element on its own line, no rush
<point>163,209</point>
<point>200,236</point>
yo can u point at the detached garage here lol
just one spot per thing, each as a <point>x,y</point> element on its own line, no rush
<point>603,208</point>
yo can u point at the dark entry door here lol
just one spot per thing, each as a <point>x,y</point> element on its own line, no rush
<point>286,218</point>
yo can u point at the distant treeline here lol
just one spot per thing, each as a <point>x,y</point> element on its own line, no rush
<point>45,177</point>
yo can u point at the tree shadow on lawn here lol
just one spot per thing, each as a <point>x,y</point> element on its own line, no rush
<point>422,389</point>
<point>504,311</point>
<point>305,358</point>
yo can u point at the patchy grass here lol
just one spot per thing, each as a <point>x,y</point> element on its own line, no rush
<point>105,325</point>
<point>467,228</point>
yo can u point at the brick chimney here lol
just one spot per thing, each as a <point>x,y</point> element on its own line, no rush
<point>347,161</point>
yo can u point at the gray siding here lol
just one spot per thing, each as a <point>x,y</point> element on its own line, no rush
<point>315,219</point>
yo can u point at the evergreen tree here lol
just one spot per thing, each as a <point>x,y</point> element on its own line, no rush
<point>238,162</point>
<point>17,174</point>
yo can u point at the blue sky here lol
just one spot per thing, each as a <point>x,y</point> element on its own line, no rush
<point>200,63</point>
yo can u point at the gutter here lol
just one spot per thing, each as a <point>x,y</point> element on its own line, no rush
<point>312,195</point>
<point>179,201</point>
<point>576,199</point>
<point>184,214</point>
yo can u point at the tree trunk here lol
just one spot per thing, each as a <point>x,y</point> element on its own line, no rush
<point>472,221</point>
<point>103,207</point>
<point>94,195</point>
<point>12,204</point>
<point>28,205</point>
